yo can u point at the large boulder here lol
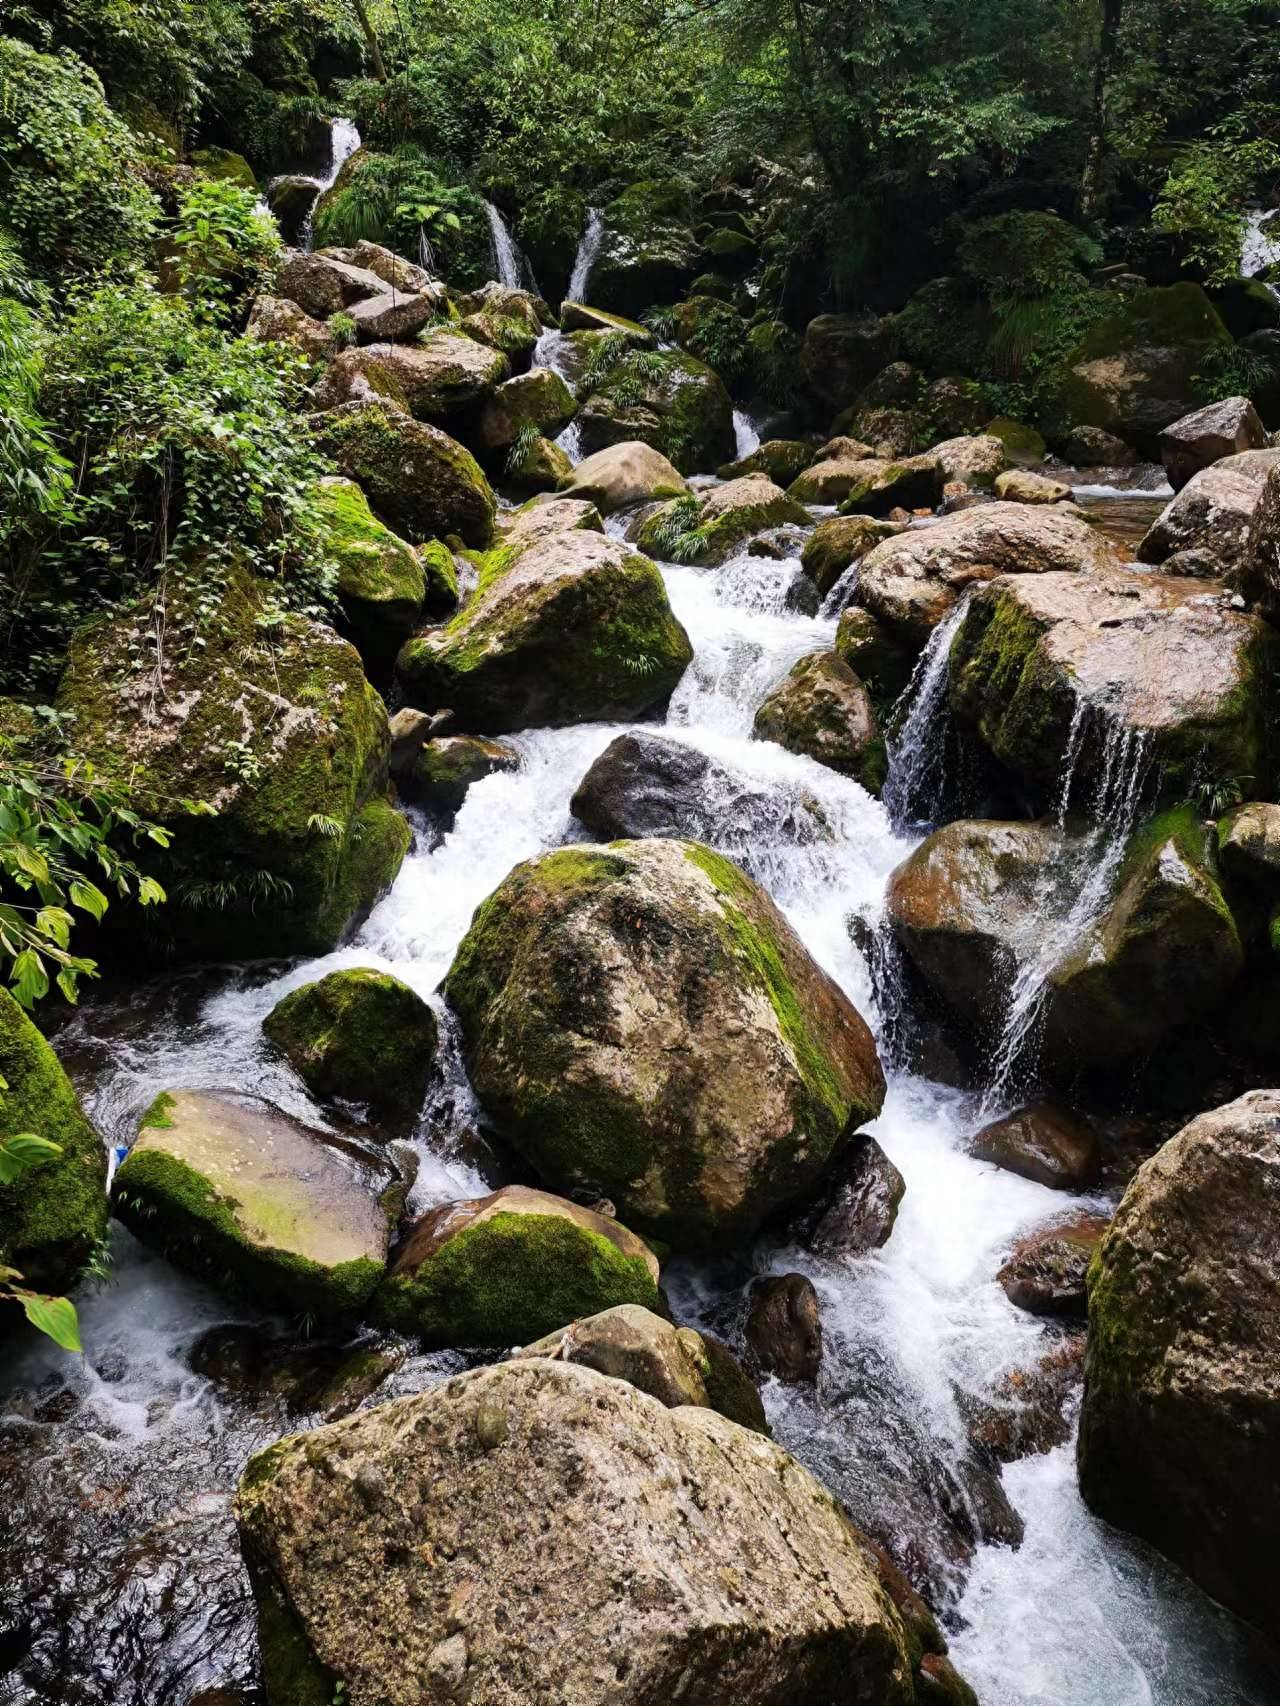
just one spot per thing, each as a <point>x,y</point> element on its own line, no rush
<point>670,400</point>
<point>419,480</point>
<point>381,580</point>
<point>974,462</point>
<point>631,1343</point>
<point>360,1036</point>
<point>1043,1143</point>
<point>778,459</point>
<point>645,785</point>
<point>841,352</point>
<point>504,318</point>
<point>1204,530</point>
<point>653,1553</point>
<point>623,475</point>
<point>322,285</point>
<point>1180,1427</point>
<point>52,1216</point>
<point>648,252</point>
<point>709,528</point>
<point>274,320</point>
<point>238,1192</point>
<point>446,769</point>
<point>1024,486</point>
<point>1259,574</point>
<point>864,485</point>
<point>913,581</point>
<point>571,628</point>
<point>822,711</point>
<point>784,1328</point>
<point>641,1021</point>
<point>443,378</point>
<point>275,730</point>
<point>864,1191</point>
<point>1159,664</point>
<point>539,402</point>
<point>391,268</point>
<point>511,1267</point>
<point>1207,435</point>
<point>839,542</point>
<point>397,317</point>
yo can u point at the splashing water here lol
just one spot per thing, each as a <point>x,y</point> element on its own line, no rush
<point>1261,244</point>
<point>746,438</point>
<point>344,139</point>
<point>922,720</point>
<point>585,259</point>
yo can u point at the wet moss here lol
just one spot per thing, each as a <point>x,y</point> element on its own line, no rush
<point>361,1036</point>
<point>52,1217</point>
<point>204,1236</point>
<point>510,1280</point>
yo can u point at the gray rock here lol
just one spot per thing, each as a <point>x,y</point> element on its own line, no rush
<point>1206,436</point>
<point>1212,513</point>
<point>784,1328</point>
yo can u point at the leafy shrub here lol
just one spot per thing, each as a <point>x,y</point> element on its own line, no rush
<point>33,473</point>
<point>191,457</point>
<point>399,199</point>
<point>224,245</point>
<point>1017,255</point>
<point>69,183</point>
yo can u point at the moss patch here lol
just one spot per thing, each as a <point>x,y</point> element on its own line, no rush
<point>510,1280</point>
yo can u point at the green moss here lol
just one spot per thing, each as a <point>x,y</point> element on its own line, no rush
<point>52,1217</point>
<point>224,163</point>
<point>359,1035</point>
<point>756,949</point>
<point>512,1279</point>
<point>441,578</point>
<point>207,1239</point>
<point>1174,316</point>
<point>729,1390</point>
<point>156,1117</point>
<point>294,1676</point>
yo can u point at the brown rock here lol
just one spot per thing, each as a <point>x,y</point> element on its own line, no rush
<point>1043,1143</point>
<point>784,1327</point>
<point>1046,1270</point>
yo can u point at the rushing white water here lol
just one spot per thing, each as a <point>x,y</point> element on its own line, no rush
<point>746,438</point>
<point>912,1331</point>
<point>344,139</point>
<point>506,257</point>
<point>1261,244</point>
<point>917,775</point>
<point>584,260</point>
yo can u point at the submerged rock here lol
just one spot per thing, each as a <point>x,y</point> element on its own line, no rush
<point>572,627</point>
<point>1042,1143</point>
<point>277,729</point>
<point>1158,664</point>
<point>823,711</point>
<point>623,475</point>
<point>1200,439</point>
<point>619,1527</point>
<point>238,1192</point>
<point>1180,1428</point>
<point>645,785</point>
<point>422,482</point>
<point>361,1036</point>
<point>54,1215</point>
<point>446,767</point>
<point>511,1267</point>
<point>641,1021</point>
<point>329,1379</point>
<point>912,582</point>
<point>784,1327</point>
<point>1045,1272</point>
<point>1030,1411</point>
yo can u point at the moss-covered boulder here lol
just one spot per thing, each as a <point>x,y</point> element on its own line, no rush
<point>275,321</point>
<point>648,252</point>
<point>539,402</point>
<point>271,727</point>
<point>52,1216</point>
<point>839,542</point>
<point>503,318</point>
<point>441,378</point>
<point>359,1036</point>
<point>673,401</point>
<point>1259,571</point>
<point>323,283</point>
<point>618,1528</point>
<point>710,528</point>
<point>1024,486</point>
<point>1024,446</point>
<point>446,768</point>
<point>875,657</point>
<point>381,581</point>
<point>578,317</point>
<point>543,516</point>
<point>781,460</point>
<point>824,712</point>
<point>910,583</point>
<point>418,479</point>
<point>571,628</point>
<point>440,579</point>
<point>623,475</point>
<point>1180,1426</point>
<point>236,1191</point>
<point>641,1021</point>
<point>537,465</point>
<point>1161,661</point>
<point>511,1267</point>
<point>225,164</point>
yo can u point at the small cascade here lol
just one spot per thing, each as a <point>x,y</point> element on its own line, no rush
<point>921,726</point>
<point>1075,893</point>
<point>584,260</point>
<point>344,139</point>
<point>506,257</point>
<point>1261,244</point>
<point>746,438</point>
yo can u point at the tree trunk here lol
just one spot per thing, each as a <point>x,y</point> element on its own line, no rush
<point>370,35</point>
<point>1091,180</point>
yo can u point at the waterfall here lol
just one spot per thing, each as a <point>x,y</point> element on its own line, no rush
<point>921,723</point>
<point>584,260</point>
<point>506,257</point>
<point>1261,244</point>
<point>746,438</point>
<point>344,139</point>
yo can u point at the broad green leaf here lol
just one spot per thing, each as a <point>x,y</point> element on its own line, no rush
<point>89,898</point>
<point>55,1316</point>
